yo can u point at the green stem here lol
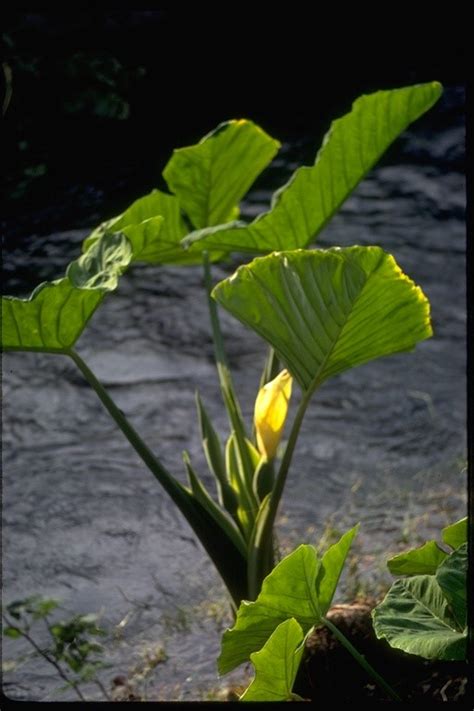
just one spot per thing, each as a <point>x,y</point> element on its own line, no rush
<point>361,660</point>
<point>285,463</point>
<point>227,558</point>
<point>225,379</point>
<point>172,487</point>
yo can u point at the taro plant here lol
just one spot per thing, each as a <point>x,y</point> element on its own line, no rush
<point>425,611</point>
<point>321,311</point>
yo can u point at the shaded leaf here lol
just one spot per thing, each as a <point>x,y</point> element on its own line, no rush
<point>276,665</point>
<point>415,617</point>
<point>423,560</point>
<point>211,177</point>
<point>455,534</point>
<point>302,207</point>
<point>56,313</point>
<point>327,311</point>
<point>452,578</point>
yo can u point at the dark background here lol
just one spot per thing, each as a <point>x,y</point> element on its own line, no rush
<point>99,98</point>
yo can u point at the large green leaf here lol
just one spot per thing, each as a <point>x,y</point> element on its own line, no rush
<point>419,561</point>
<point>276,665</point>
<point>327,311</point>
<point>415,617</point>
<point>302,207</point>
<point>289,591</point>
<point>211,177</point>
<point>292,589</point>
<point>154,225</point>
<point>56,313</point>
<point>452,578</point>
<point>455,534</point>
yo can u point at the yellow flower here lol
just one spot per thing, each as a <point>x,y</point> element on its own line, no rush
<point>271,409</point>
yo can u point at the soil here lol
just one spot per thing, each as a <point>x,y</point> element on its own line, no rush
<point>329,674</point>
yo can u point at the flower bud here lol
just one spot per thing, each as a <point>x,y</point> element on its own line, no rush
<point>271,408</point>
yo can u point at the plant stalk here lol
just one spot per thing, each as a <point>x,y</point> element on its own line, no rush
<point>172,487</point>
<point>285,464</point>
<point>361,660</point>
<point>225,379</point>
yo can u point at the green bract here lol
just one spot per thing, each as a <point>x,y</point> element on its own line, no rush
<point>327,311</point>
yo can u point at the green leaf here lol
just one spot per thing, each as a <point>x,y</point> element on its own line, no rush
<point>247,505</point>
<point>211,177</point>
<point>289,591</point>
<point>452,578</point>
<point>205,499</point>
<point>455,534</point>
<point>327,311</point>
<point>423,560</point>
<point>276,664</point>
<point>12,632</point>
<point>331,567</point>
<point>154,225</point>
<point>415,617</point>
<point>352,146</point>
<point>56,313</point>
<point>215,459</point>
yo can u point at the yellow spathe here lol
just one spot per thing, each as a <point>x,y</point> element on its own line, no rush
<point>271,409</point>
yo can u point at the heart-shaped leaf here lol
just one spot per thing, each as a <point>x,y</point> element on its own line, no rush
<point>302,207</point>
<point>211,177</point>
<point>56,313</point>
<point>327,311</point>
<point>415,616</point>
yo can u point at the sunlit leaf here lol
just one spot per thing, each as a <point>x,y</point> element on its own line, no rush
<point>155,226</point>
<point>56,313</point>
<point>455,534</point>
<point>302,207</point>
<point>211,177</point>
<point>276,665</point>
<point>415,616</point>
<point>419,561</point>
<point>289,591</point>
<point>327,311</point>
<point>331,567</point>
<point>292,589</point>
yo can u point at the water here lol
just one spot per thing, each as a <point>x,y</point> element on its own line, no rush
<point>384,444</point>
